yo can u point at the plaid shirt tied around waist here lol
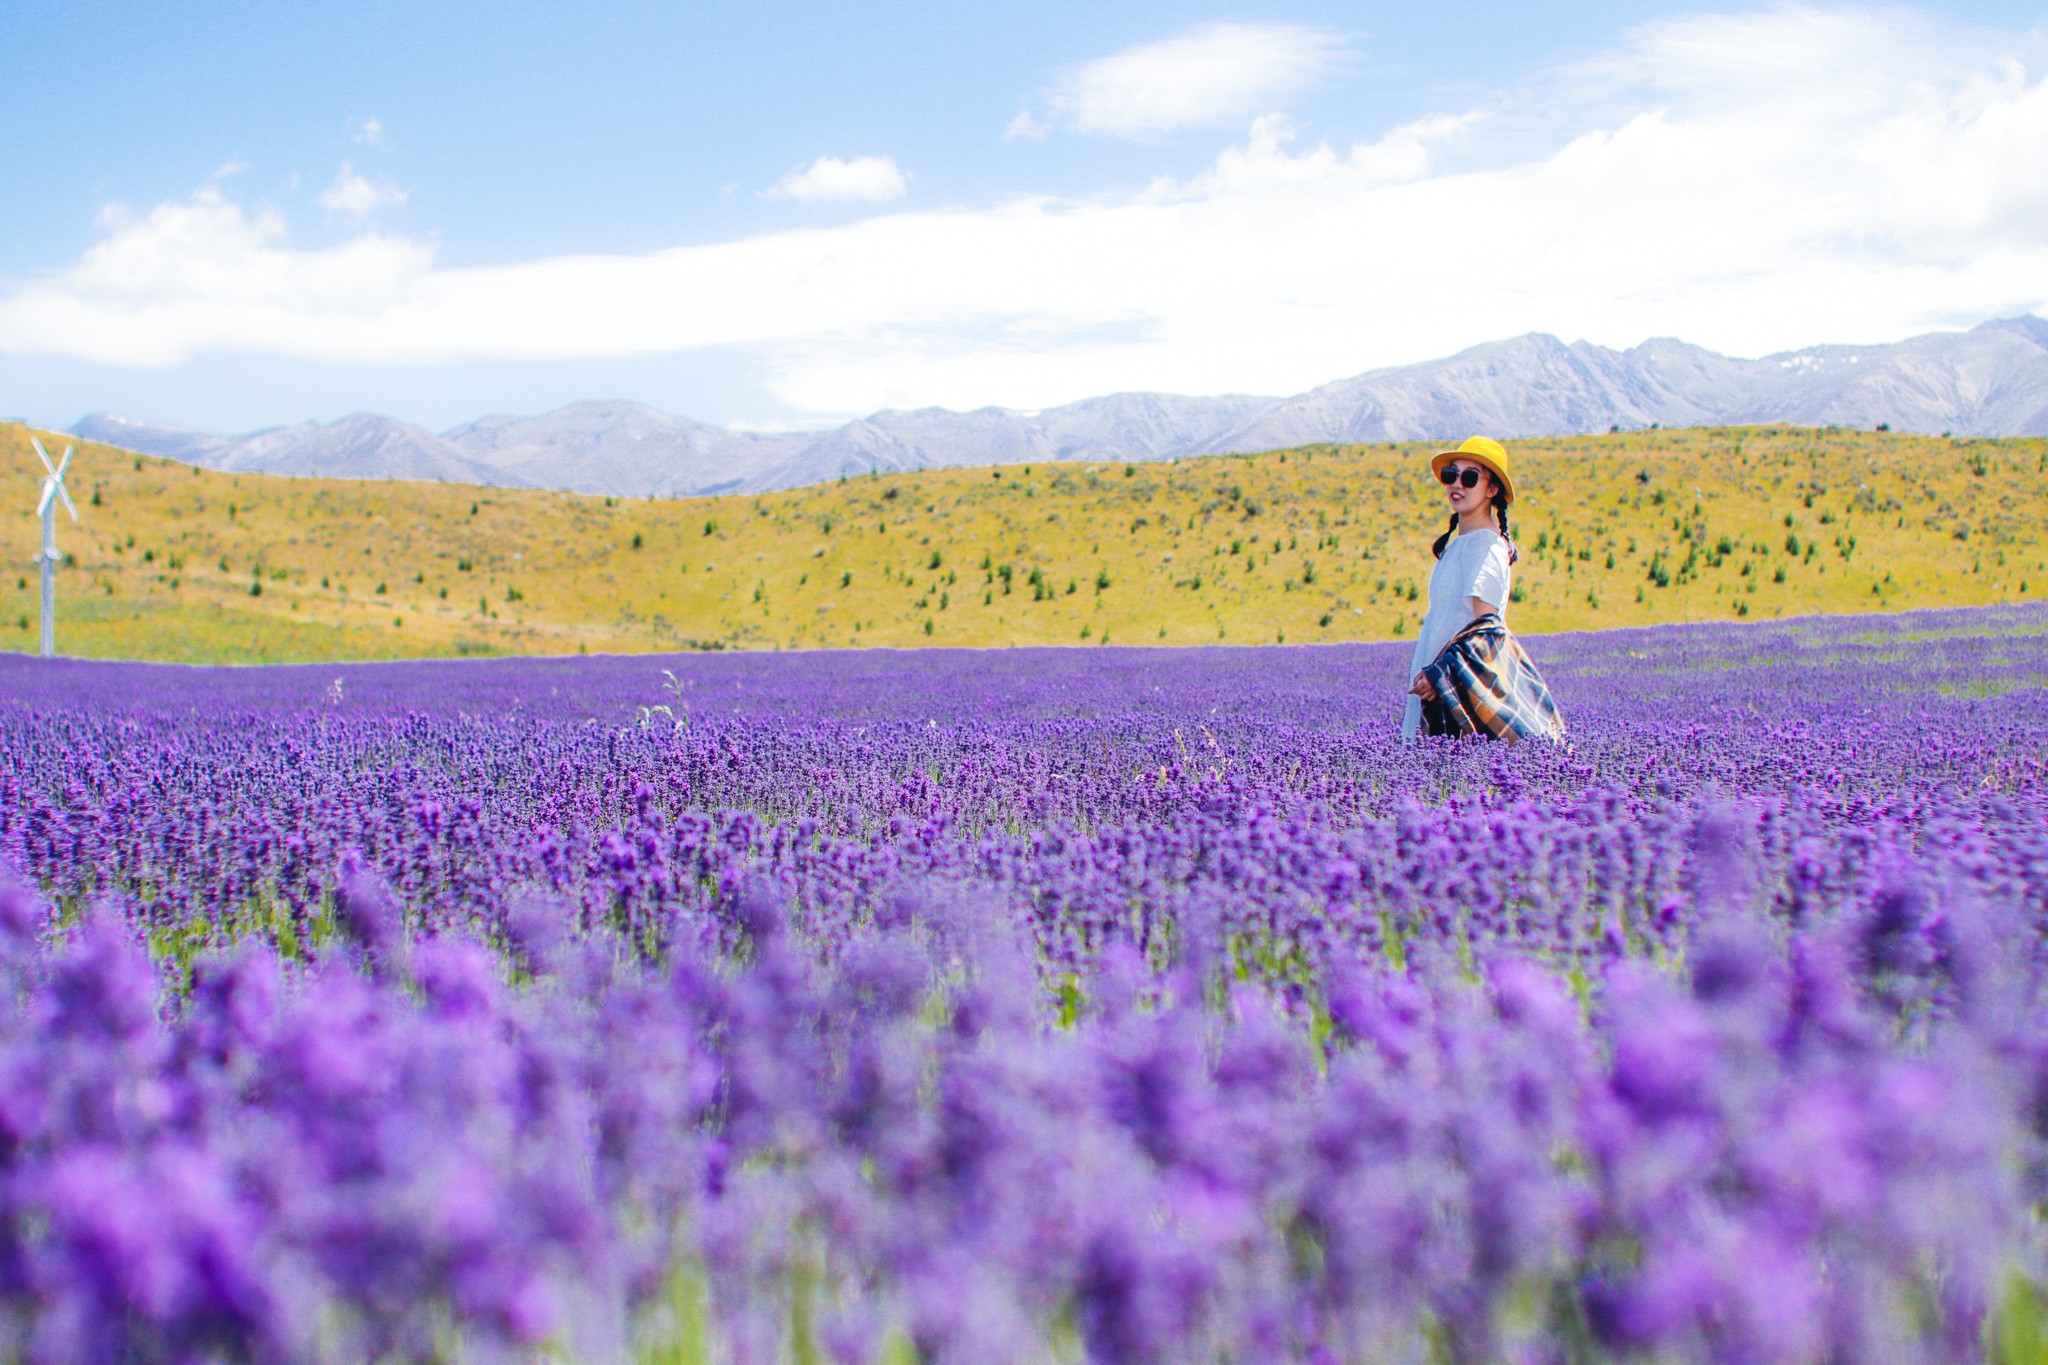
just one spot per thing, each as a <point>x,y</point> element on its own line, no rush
<point>1487,686</point>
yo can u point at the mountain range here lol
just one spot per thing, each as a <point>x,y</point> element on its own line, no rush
<point>1989,381</point>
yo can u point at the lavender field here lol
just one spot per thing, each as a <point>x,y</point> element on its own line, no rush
<point>1032,1006</point>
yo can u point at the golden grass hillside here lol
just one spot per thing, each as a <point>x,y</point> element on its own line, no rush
<point>1317,544</point>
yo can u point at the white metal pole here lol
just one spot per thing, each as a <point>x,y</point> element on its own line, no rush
<point>49,577</point>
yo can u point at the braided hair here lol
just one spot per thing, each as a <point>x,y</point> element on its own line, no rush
<point>1436,550</point>
<point>1500,515</point>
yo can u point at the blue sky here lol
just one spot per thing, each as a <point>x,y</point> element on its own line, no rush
<point>240,215</point>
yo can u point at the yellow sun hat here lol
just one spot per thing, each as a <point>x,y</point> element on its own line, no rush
<point>1480,450</point>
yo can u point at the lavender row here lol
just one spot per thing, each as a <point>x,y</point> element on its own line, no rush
<point>1121,1005</point>
<point>1811,1145</point>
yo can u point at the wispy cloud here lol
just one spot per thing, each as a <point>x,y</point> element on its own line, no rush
<point>866,179</point>
<point>357,197</point>
<point>1212,73</point>
<point>1025,125</point>
<point>370,132</point>
<point>1879,184</point>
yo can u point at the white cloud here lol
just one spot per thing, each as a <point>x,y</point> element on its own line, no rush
<point>206,275</point>
<point>1024,125</point>
<point>357,197</point>
<point>1210,74</point>
<point>371,132</point>
<point>870,179</point>
<point>1884,183</point>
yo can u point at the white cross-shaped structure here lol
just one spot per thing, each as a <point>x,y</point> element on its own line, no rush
<point>53,492</point>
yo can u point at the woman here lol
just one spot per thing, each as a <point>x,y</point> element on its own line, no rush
<point>1471,676</point>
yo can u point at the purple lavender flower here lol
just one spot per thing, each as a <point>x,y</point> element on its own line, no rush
<point>1141,1002</point>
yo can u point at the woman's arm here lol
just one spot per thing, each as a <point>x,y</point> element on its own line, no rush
<point>1480,606</point>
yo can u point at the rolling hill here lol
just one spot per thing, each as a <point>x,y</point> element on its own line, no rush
<point>1990,381</point>
<point>1317,543</point>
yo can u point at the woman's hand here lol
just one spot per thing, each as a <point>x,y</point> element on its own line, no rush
<point>1421,687</point>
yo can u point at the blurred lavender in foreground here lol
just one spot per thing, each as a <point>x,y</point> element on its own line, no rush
<point>1118,1005</point>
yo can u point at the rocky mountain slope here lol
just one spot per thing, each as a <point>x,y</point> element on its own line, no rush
<point>1989,381</point>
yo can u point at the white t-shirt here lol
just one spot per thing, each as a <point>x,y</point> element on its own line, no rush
<point>1475,564</point>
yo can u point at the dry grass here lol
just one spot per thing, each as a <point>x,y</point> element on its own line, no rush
<point>1321,543</point>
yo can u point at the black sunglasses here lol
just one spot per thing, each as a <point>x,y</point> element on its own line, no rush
<point>1468,476</point>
